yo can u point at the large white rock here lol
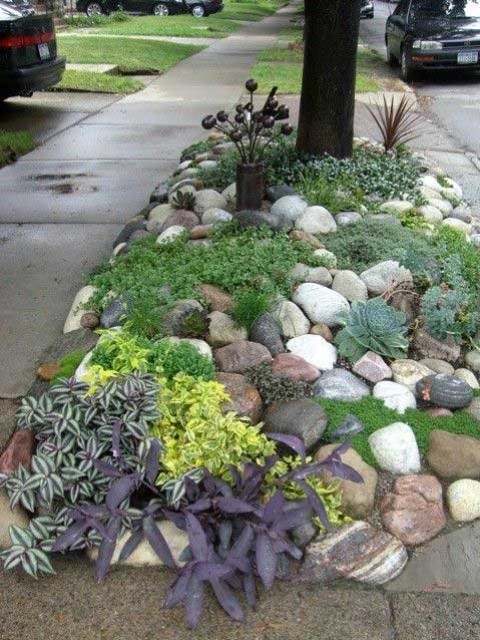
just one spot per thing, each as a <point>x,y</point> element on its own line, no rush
<point>382,275</point>
<point>467,376</point>
<point>457,224</point>
<point>291,319</point>
<point>8,518</point>
<point>463,498</point>
<point>431,183</point>
<point>209,199</point>
<point>431,213</point>
<point>454,186</point>
<point>322,305</point>
<point>170,234</point>
<point>315,350</point>
<point>395,396</point>
<point>442,205</point>
<point>289,207</point>
<point>349,285</point>
<point>316,220</point>
<point>395,449</point>
<point>396,206</point>
<point>223,330</point>
<point>78,308</point>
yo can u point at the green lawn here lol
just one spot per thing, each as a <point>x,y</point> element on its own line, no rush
<point>131,56</point>
<point>14,144</point>
<point>74,80</point>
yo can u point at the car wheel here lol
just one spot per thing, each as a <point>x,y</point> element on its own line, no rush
<point>407,72</point>
<point>93,9</point>
<point>391,59</point>
<point>160,9</point>
<point>198,11</point>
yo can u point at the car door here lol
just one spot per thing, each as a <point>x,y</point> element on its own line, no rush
<point>396,27</point>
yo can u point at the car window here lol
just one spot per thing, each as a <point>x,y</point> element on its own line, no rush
<point>445,9</point>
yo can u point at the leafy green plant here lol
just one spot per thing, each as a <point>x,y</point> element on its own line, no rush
<point>68,365</point>
<point>183,200</point>
<point>203,146</point>
<point>121,351</point>
<point>450,313</point>
<point>248,305</point>
<point>397,122</point>
<point>274,388</point>
<point>170,358</point>
<point>372,326</point>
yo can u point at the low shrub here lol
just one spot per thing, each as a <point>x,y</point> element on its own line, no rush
<point>274,388</point>
<point>248,305</point>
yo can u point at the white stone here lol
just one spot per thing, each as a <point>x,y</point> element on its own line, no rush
<point>408,372</point>
<point>431,213</point>
<point>223,330</point>
<point>349,285</point>
<point>209,199</point>
<point>442,205</point>
<point>457,224</point>
<point>214,216</point>
<point>291,319</point>
<point>395,449</point>
<point>289,207</point>
<point>184,165</point>
<point>382,275</point>
<point>170,234</point>
<point>144,555</point>
<point>157,217</point>
<point>396,206</point>
<point>82,368</point>
<point>208,164</point>
<point>315,350</point>
<point>329,259</point>
<point>8,518</point>
<point>78,308</point>
<point>428,193</point>
<point>472,358</point>
<point>467,376</point>
<point>321,305</point>
<point>395,396</point>
<point>463,499</point>
<point>454,186</point>
<point>304,273</point>
<point>316,220</point>
<point>431,183</point>
<point>230,193</point>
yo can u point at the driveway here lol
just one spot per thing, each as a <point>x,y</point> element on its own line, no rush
<point>62,205</point>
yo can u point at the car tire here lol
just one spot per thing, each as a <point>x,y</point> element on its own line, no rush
<point>391,59</point>
<point>160,9</point>
<point>198,11</point>
<point>406,68</point>
<point>93,9</point>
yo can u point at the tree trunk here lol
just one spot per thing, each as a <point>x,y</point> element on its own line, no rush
<point>328,89</point>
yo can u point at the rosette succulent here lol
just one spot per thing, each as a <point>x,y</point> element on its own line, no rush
<point>372,326</point>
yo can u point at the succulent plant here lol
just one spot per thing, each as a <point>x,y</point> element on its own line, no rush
<point>372,326</point>
<point>183,199</point>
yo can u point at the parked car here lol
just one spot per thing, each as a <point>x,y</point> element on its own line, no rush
<point>198,8</point>
<point>28,53</point>
<point>434,35</point>
<point>366,9</point>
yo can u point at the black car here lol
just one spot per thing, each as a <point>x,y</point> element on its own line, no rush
<point>198,8</point>
<point>434,35</point>
<point>366,9</point>
<point>28,53</point>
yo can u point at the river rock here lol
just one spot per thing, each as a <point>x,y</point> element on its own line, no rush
<point>474,409</point>
<point>265,331</point>
<point>468,377</point>
<point>19,451</point>
<point>303,418</point>
<point>431,214</point>
<point>472,358</point>
<point>320,303</point>
<point>289,208</point>
<point>381,276</point>
<point>222,330</point>
<point>253,218</point>
<point>356,552</point>
<point>396,206</point>
<point>372,367</point>
<point>347,218</point>
<point>357,497</point>
<point>349,285</point>
<point>176,319</point>
<point>8,518</point>
<point>170,234</point>
<point>180,218</point>
<point>395,396</point>
<point>306,238</point>
<point>74,317</point>
<point>322,330</point>
<point>395,449</point>
<point>463,498</point>
<point>216,216</point>
<point>443,390</point>
<point>442,205</point>
<point>438,366</point>
<point>241,355</point>
<point>413,512</point>
<point>304,273</point>
<point>409,372</point>
<point>218,299</point>
<point>328,258</point>
<point>315,350</point>
<point>453,456</point>
<point>245,399</point>
<point>427,346</point>
<point>457,224</point>
<point>291,319</point>
<point>157,217</point>
<point>340,384</point>
<point>116,312</point>
<point>209,199</point>
<point>288,365</point>
<point>316,220</point>
<point>350,426</point>
<point>278,191</point>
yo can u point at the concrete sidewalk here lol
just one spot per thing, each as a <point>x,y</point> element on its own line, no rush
<point>62,204</point>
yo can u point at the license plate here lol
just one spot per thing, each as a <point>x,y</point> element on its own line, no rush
<point>43,51</point>
<point>467,57</point>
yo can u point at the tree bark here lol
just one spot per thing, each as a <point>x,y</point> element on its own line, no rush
<point>327,103</point>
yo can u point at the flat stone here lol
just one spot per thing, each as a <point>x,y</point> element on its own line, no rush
<point>294,367</point>
<point>463,499</point>
<point>357,497</point>
<point>9,518</point>
<point>217,299</point>
<point>468,377</point>
<point>216,216</point>
<point>223,330</point>
<point>427,346</point>
<point>19,451</point>
<point>303,418</point>
<point>315,350</point>
<point>349,285</point>
<point>306,238</point>
<point>73,320</point>
<point>395,396</point>
<point>320,303</point>
<point>382,276</point>
<point>438,366</point>
<point>347,218</point>
<point>291,319</point>
<point>304,273</point>
<point>241,355</point>
<point>316,220</point>
<point>395,449</point>
<point>408,372</point>
<point>350,426</point>
<point>372,367</point>
<point>289,208</point>
<point>453,456</point>
<point>340,384</point>
<point>245,399</point>
<point>356,552</point>
<point>265,330</point>
<point>413,511</point>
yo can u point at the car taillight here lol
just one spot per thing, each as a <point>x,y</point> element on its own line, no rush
<point>25,41</point>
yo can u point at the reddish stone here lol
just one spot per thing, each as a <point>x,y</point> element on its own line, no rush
<point>294,367</point>
<point>89,320</point>
<point>245,399</point>
<point>19,451</point>
<point>200,231</point>
<point>218,299</point>
<point>48,371</point>
<point>307,238</point>
<point>413,512</point>
<point>240,355</point>
<point>372,367</point>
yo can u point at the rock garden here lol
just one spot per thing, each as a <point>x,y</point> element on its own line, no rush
<point>276,375</point>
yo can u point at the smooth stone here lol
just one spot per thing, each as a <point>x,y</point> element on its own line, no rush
<point>395,449</point>
<point>180,218</point>
<point>316,220</point>
<point>265,331</point>
<point>170,234</point>
<point>303,533</point>
<point>340,384</point>
<point>251,218</point>
<point>473,409</point>
<point>201,346</point>
<point>358,498</point>
<point>431,214</point>
<point>427,346</point>
<point>185,182</point>
<point>157,217</point>
<point>395,396</point>
<point>396,206</point>
<point>322,330</point>
<point>349,285</point>
<point>461,214</point>
<point>347,218</point>
<point>383,275</point>
<point>90,320</point>
<point>372,367</point>
<point>328,258</point>
<point>321,305</point>
<point>207,165</point>
<point>190,172</point>
<point>159,195</point>
<point>175,194</point>
<point>209,199</point>
<point>139,234</point>
<point>350,426</point>
<point>454,186</point>
<point>413,511</point>
<point>318,275</point>
<point>293,367</point>
<point>174,319</point>
<point>468,377</point>
<point>289,208</point>
<point>74,317</point>
<point>278,191</point>
<point>48,370</point>
<point>116,312</point>
<point>431,183</point>
<point>315,350</point>
<point>216,216</point>
<point>444,206</point>
<point>453,456</point>
<point>19,451</point>
<point>302,418</point>
<point>443,390</point>
<point>457,224</point>
<point>472,358</point>
<point>217,299</point>
<point>245,399</point>
<point>223,330</point>
<point>201,231</point>
<point>408,372</point>
<point>230,193</point>
<point>356,552</point>
<point>438,366</point>
<point>241,355</point>
<point>439,412</point>
<point>8,518</point>
<point>291,319</point>
<point>463,499</point>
